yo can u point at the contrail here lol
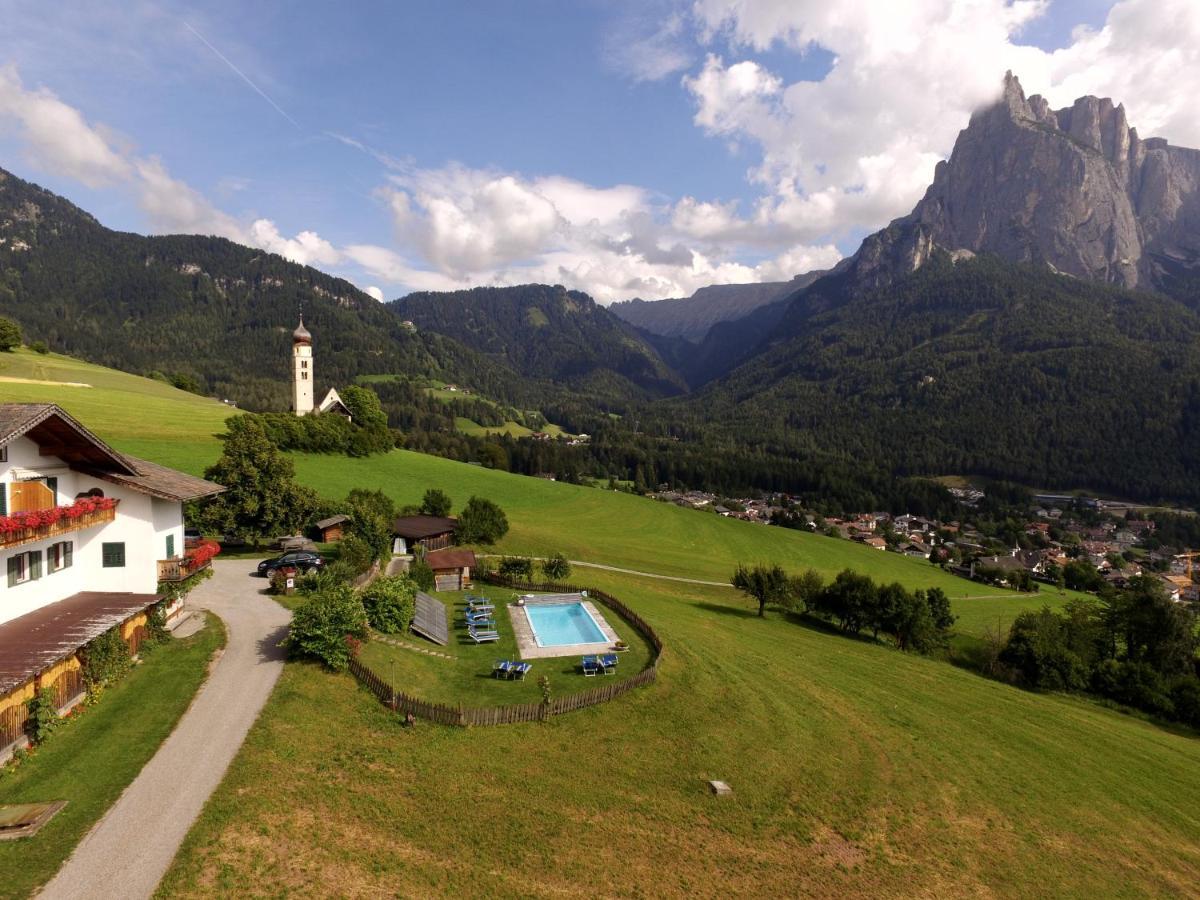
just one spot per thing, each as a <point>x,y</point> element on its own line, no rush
<point>221,56</point>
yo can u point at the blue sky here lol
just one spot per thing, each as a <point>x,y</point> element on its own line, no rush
<point>623,148</point>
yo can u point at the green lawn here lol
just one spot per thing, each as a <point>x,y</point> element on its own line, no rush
<point>857,770</point>
<point>467,679</point>
<point>92,760</point>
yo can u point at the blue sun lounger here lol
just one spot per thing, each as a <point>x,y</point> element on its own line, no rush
<point>608,662</point>
<point>501,668</point>
<point>519,670</point>
<point>591,666</point>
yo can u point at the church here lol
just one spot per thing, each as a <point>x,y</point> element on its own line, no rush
<point>303,378</point>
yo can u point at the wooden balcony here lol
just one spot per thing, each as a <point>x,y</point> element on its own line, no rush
<point>175,570</point>
<point>58,529</point>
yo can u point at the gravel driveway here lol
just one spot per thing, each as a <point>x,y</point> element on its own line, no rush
<point>128,851</point>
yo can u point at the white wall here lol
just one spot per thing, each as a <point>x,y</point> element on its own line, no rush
<point>142,523</point>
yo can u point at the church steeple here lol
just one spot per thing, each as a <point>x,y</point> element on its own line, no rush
<point>302,370</point>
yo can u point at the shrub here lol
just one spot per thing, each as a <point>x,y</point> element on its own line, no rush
<point>390,603</point>
<point>105,659</point>
<point>39,347</point>
<point>519,567</point>
<point>43,715</point>
<point>421,574</point>
<point>355,553</point>
<point>481,522</point>
<point>556,568</point>
<point>156,626</point>
<point>321,625</point>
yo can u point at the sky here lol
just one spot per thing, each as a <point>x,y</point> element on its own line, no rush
<point>627,149</point>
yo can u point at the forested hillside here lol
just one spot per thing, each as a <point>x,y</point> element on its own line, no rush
<point>981,367</point>
<point>547,332</point>
<point>204,307</point>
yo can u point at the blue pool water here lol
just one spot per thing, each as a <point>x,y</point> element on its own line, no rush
<point>563,623</point>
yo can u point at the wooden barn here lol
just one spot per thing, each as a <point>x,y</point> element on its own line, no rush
<point>423,532</point>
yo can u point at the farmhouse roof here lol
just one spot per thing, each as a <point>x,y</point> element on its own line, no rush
<point>58,433</point>
<point>39,639</point>
<point>450,559</point>
<point>414,528</point>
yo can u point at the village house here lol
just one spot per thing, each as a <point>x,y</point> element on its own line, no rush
<point>88,535</point>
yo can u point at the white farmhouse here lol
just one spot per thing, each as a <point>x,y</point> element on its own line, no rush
<point>87,535</point>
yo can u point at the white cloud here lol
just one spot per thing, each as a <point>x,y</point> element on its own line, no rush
<point>58,139</point>
<point>376,292</point>
<point>651,45</point>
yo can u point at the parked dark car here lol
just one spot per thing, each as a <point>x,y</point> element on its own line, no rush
<point>303,561</point>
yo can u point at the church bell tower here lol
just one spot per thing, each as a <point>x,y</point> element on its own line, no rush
<point>302,370</point>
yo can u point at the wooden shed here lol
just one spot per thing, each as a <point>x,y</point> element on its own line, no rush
<point>451,569</point>
<point>423,532</point>
<point>333,528</point>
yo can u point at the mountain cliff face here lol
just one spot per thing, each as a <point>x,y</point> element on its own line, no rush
<point>1074,188</point>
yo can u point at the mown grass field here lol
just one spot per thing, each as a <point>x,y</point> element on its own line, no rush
<point>467,678</point>
<point>857,770</point>
<point>92,760</point>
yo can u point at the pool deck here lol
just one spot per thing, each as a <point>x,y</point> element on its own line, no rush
<point>527,645</point>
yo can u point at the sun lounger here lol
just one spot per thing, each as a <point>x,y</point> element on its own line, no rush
<point>501,668</point>
<point>519,670</point>
<point>608,662</point>
<point>483,637</point>
<point>591,666</point>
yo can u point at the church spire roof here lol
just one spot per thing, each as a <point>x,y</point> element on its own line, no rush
<point>301,335</point>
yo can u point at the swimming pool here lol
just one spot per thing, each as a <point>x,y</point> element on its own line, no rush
<point>556,624</point>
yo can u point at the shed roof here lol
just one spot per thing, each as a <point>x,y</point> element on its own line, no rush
<point>450,559</point>
<point>39,639</point>
<point>417,527</point>
<point>332,520</point>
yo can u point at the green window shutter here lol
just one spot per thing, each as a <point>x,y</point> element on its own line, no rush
<point>14,568</point>
<point>68,552</point>
<point>35,565</point>
<point>52,485</point>
<point>3,499</point>
<point>113,555</point>
<point>170,546</point>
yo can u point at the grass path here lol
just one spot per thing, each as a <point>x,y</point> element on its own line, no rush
<point>90,762</point>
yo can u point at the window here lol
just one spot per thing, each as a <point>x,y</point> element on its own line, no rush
<point>304,376</point>
<point>24,567</point>
<point>113,555</point>
<point>3,454</point>
<point>304,363</point>
<point>3,499</point>
<point>170,546</point>
<point>59,556</point>
<point>52,486</point>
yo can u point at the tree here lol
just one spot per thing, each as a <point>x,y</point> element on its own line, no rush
<point>851,600</point>
<point>556,568</point>
<point>436,502</point>
<point>1039,650</point>
<point>766,584</point>
<point>262,498</point>
<point>188,383</point>
<point>518,567</point>
<point>803,590</point>
<point>372,513</point>
<point>481,522</point>
<point>327,623</point>
<point>390,603</point>
<point>364,407</point>
<point>10,335</point>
